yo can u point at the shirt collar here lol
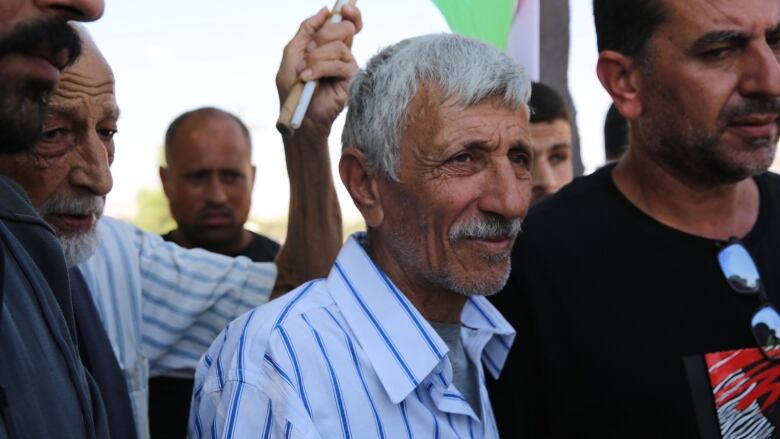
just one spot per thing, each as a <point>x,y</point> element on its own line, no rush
<point>480,315</point>
<point>402,347</point>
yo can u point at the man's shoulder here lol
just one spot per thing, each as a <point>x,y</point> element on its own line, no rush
<point>261,248</point>
<point>13,196</point>
<point>261,330</point>
<point>15,206</point>
<point>772,181</point>
<point>108,225</point>
<point>585,191</point>
<point>586,204</point>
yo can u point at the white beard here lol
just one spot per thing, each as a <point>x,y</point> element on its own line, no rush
<point>79,247</point>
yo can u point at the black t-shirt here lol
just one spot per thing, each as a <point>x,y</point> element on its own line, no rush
<point>260,248</point>
<point>619,318</point>
<point>169,397</point>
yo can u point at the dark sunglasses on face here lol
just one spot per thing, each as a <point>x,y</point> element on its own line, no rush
<point>742,275</point>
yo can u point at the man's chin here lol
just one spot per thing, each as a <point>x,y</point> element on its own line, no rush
<point>78,247</point>
<point>746,164</point>
<point>485,281</point>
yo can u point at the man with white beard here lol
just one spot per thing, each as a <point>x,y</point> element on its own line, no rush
<point>162,305</point>
<point>44,388</point>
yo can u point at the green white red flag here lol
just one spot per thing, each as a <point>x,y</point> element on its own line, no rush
<point>509,25</point>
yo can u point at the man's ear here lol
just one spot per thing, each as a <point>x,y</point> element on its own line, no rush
<point>164,180</point>
<point>254,175</point>
<point>362,186</point>
<point>620,76</point>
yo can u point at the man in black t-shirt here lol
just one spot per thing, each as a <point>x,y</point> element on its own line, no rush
<point>626,325</point>
<point>208,180</point>
<point>260,248</point>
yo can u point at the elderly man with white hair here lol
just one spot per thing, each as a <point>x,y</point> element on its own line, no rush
<point>436,157</point>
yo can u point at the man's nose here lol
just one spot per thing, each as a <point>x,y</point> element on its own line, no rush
<point>506,193</point>
<point>78,10</point>
<point>761,73</point>
<point>93,172</point>
<point>215,190</point>
<point>542,173</point>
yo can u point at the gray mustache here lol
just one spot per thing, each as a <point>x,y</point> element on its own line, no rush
<point>76,205</point>
<point>489,227</point>
<point>752,106</point>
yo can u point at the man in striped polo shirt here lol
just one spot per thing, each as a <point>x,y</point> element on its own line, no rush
<point>436,156</point>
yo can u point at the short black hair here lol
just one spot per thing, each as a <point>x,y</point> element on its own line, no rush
<point>615,134</point>
<point>546,104</point>
<point>173,128</point>
<point>626,26</point>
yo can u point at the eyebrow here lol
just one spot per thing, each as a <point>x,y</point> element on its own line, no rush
<point>522,145</point>
<point>735,37</point>
<point>69,110</point>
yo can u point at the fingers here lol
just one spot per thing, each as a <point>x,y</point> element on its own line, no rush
<point>311,25</point>
<point>352,14</point>
<point>320,49</point>
<point>333,60</point>
<point>343,31</point>
<point>305,33</point>
<point>351,24</point>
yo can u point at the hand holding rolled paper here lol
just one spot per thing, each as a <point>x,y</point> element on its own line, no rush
<point>320,55</point>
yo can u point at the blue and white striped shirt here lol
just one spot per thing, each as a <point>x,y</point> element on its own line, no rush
<point>347,356</point>
<point>162,305</point>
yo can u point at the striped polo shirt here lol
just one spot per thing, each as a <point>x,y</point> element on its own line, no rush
<point>162,305</point>
<point>343,357</point>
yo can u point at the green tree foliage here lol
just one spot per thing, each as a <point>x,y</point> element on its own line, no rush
<point>152,213</point>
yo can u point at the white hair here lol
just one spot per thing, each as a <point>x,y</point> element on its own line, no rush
<point>460,69</point>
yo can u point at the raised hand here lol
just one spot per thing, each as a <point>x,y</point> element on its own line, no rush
<point>321,51</point>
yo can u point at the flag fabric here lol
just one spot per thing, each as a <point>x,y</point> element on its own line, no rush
<point>509,25</point>
<point>524,38</point>
<point>486,20</point>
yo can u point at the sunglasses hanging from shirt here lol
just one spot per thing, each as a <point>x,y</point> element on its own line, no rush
<point>742,275</point>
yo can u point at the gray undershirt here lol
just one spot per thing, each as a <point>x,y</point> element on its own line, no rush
<point>464,375</point>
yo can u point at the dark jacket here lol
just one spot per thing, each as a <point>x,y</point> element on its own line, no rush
<point>44,388</point>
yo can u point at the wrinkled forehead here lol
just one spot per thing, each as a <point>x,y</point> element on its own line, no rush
<point>693,19</point>
<point>90,72</point>
<point>89,80</point>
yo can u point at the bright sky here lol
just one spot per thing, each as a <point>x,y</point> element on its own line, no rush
<point>170,56</point>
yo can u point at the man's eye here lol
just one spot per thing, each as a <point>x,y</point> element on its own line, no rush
<point>558,158</point>
<point>54,142</point>
<point>107,134</point>
<point>773,40</point>
<point>230,177</point>
<point>54,135</point>
<point>716,53</point>
<point>520,157</point>
<point>463,157</point>
<point>196,178</point>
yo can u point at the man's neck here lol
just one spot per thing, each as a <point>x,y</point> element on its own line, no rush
<point>710,211</point>
<point>435,304</point>
<point>232,247</point>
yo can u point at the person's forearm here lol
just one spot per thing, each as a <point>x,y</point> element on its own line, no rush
<point>314,234</point>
